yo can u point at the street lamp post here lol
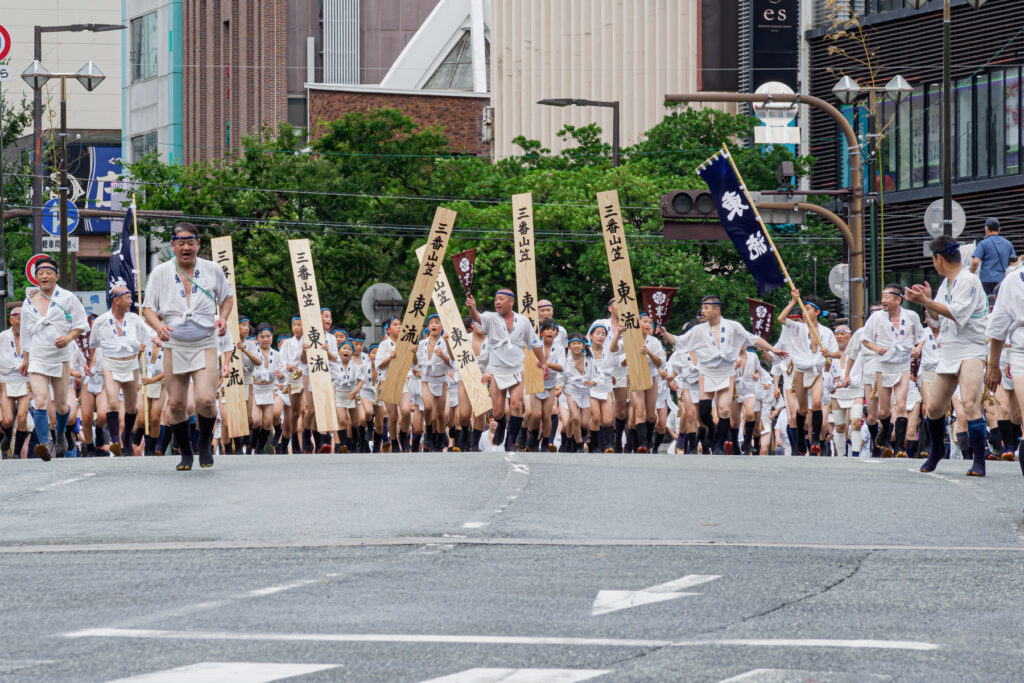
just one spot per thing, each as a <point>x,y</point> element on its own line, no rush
<point>90,77</point>
<point>947,110</point>
<point>37,123</point>
<point>614,106</point>
<point>848,91</point>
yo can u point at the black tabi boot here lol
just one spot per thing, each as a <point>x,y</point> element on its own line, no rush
<point>801,438</point>
<point>641,444</point>
<point>181,435</point>
<point>873,433</point>
<point>149,447</point>
<point>206,425</point>
<point>816,422</point>
<point>499,430</point>
<point>620,428</point>
<point>748,436</point>
<point>475,442</point>
<point>899,437</point>
<point>403,441</point>
<point>884,434</point>
<point>721,434</point>
<point>113,426</point>
<point>936,434</point>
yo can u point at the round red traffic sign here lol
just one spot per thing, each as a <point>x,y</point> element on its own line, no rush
<point>5,42</point>
<point>30,268</point>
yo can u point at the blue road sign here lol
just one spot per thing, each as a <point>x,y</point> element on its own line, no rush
<point>51,217</point>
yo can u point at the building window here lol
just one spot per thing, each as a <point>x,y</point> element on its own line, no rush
<point>986,131</point>
<point>456,71</point>
<point>144,47</point>
<point>143,144</point>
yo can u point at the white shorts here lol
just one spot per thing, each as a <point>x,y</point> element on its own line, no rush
<point>952,367</point>
<point>16,389</point>
<point>745,390</point>
<point>123,370</point>
<point>263,394</point>
<point>342,400</point>
<point>50,368</point>
<point>294,385</point>
<point>154,390</point>
<point>870,368</point>
<point>809,374</point>
<point>717,378</point>
<point>435,385</point>
<point>1007,381</point>
<point>926,375</point>
<point>891,374</point>
<point>580,396</point>
<point>505,378</point>
<point>453,394</point>
<point>620,377</point>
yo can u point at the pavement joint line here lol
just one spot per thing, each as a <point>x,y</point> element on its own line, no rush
<point>65,482</point>
<point>153,634</point>
<point>403,541</point>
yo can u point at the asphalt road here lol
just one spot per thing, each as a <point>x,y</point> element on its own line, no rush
<point>529,568</point>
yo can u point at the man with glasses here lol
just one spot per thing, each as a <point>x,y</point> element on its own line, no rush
<point>120,335</point>
<point>188,300</point>
<point>52,318</point>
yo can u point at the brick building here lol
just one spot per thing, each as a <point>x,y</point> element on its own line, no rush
<point>244,66</point>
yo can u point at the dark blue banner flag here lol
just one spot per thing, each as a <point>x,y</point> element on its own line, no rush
<point>121,271</point>
<point>740,222</point>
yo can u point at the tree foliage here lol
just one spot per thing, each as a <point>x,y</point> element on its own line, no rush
<point>365,188</point>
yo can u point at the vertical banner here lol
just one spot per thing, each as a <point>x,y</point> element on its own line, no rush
<point>320,384</point>
<point>419,301</point>
<point>762,314</point>
<point>658,303</point>
<point>235,417</point>
<point>464,263</point>
<point>526,282</point>
<point>459,344</point>
<point>623,290</point>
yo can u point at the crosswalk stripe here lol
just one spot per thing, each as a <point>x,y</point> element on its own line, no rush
<point>799,676</point>
<point>520,676</point>
<point>228,672</point>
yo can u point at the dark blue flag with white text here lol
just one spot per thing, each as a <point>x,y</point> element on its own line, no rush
<point>740,222</point>
<point>121,270</point>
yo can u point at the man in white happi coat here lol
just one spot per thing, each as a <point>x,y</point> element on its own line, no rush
<point>120,334</point>
<point>509,334</point>
<point>718,343</point>
<point>961,307</point>
<point>15,388</point>
<point>51,320</point>
<point>896,336</point>
<point>1006,326</point>
<point>188,300</point>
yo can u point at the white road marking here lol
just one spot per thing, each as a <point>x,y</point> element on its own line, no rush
<point>521,676</point>
<point>270,590</point>
<point>474,525</point>
<point>153,634</point>
<point>795,676</point>
<point>612,601</point>
<point>65,482</point>
<point>228,672</point>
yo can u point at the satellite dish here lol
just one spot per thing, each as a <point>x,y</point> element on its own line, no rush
<point>839,281</point>
<point>381,301</point>
<point>933,218</point>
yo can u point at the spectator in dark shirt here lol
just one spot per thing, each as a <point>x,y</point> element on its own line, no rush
<point>993,254</point>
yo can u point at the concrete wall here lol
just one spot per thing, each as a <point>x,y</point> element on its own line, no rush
<point>633,51</point>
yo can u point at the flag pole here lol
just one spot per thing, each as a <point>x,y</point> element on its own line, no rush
<point>138,305</point>
<point>778,257</point>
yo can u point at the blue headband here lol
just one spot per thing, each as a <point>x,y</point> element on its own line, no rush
<point>297,317</point>
<point>372,347</point>
<point>432,315</point>
<point>506,292</point>
<point>953,248</point>
<point>325,309</point>
<point>597,325</point>
<point>348,344</point>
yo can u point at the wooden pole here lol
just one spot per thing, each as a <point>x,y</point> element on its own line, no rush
<point>419,301</point>
<point>623,290</point>
<point>525,255</point>
<point>764,228</point>
<point>459,345</point>
<point>236,417</point>
<point>138,305</point>
<point>320,384</point>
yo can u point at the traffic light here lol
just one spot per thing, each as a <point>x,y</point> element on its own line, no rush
<point>688,205</point>
<point>691,215</point>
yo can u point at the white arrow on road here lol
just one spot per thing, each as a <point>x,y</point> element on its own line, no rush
<point>612,601</point>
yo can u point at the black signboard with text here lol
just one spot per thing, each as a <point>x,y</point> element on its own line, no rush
<point>776,34</point>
